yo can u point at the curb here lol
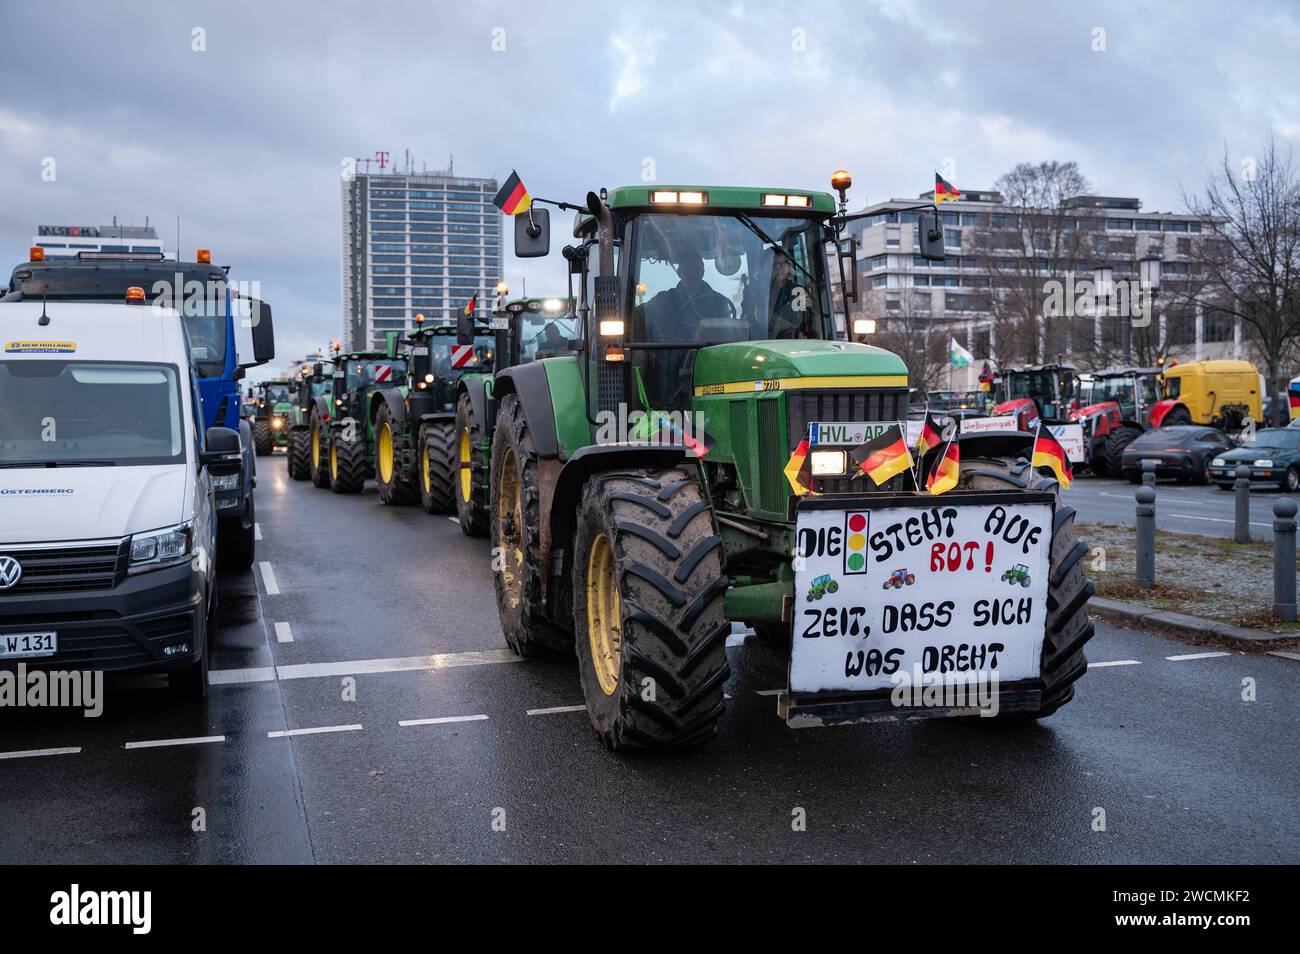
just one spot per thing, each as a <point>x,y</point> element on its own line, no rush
<point>1137,613</point>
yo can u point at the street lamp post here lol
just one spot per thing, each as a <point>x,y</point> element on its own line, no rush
<point>1149,276</point>
<point>1102,278</point>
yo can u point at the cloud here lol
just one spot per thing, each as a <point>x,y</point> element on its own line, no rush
<point>637,50</point>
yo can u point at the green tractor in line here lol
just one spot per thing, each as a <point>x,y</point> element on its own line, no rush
<point>273,403</point>
<point>311,383</point>
<point>715,322</point>
<point>415,422</point>
<point>341,427</point>
<point>527,329</point>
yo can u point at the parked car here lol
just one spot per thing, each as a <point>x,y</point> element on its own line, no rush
<point>1181,451</point>
<point>108,525</point>
<point>1273,457</point>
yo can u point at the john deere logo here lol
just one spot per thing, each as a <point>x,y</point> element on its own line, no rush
<point>11,571</point>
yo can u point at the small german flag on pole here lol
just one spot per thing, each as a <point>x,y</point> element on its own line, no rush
<point>1049,453</point>
<point>473,302</point>
<point>885,455</point>
<point>513,198</point>
<point>798,470</point>
<point>931,435</point>
<point>944,191</point>
<point>943,476</point>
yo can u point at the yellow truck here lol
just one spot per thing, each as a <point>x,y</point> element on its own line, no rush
<point>1215,393</point>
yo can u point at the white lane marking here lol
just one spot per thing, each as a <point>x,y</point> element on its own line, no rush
<point>556,709</point>
<point>1295,656</point>
<point>454,519</point>
<point>735,640</point>
<point>442,720</point>
<point>358,667</point>
<point>317,730</point>
<point>283,634</point>
<point>257,531</point>
<point>163,743</point>
<point>227,677</point>
<point>1114,662</point>
<point>1187,656</point>
<point>1192,516</point>
<point>36,753</point>
<point>770,692</point>
<point>268,579</point>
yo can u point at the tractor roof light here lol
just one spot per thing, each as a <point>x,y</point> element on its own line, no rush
<point>135,295</point>
<point>841,181</point>
<point>203,256</point>
<point>419,318</point>
<point>864,326</point>
<point>552,305</point>
<point>502,288</point>
<point>782,200</point>
<point>679,197</point>
<point>36,254</point>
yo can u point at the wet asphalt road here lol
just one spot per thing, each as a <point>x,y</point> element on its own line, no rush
<point>398,605</point>
<point>1186,508</point>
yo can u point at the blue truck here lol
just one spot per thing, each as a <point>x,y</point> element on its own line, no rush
<point>210,305</point>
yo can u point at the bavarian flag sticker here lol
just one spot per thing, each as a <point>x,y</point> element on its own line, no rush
<point>40,347</point>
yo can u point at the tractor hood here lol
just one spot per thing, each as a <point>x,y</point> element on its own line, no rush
<point>776,365</point>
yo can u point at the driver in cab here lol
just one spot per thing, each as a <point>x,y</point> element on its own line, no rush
<point>675,313</point>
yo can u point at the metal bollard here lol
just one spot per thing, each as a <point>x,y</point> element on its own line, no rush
<point>1146,537</point>
<point>1148,473</point>
<point>1284,511</point>
<point>1242,487</point>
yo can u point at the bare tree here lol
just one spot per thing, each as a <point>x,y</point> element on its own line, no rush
<point>1036,241</point>
<point>1248,267</point>
<point>908,333</point>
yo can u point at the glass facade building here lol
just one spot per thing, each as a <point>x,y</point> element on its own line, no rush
<point>417,243</point>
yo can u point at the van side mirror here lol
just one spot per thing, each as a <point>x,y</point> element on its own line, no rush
<point>929,235</point>
<point>533,233</point>
<point>223,452</point>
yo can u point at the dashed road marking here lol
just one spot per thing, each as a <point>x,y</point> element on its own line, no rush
<point>454,519</point>
<point>442,720</point>
<point>316,730</point>
<point>1284,655</point>
<point>228,677</point>
<point>37,753</point>
<point>268,579</point>
<point>769,692</point>
<point>1187,656</point>
<point>553,710</point>
<point>283,634</point>
<point>164,743</point>
<point>1192,516</point>
<point>257,531</point>
<point>360,667</point>
<point>1114,662</point>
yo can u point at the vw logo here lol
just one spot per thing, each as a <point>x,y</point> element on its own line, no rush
<point>11,571</point>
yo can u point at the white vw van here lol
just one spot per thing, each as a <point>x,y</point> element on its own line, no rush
<point>106,511</point>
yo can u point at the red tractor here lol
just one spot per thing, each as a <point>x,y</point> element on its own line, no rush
<point>1118,410</point>
<point>1042,392</point>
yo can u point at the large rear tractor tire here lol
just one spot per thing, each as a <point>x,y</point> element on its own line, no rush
<point>263,438</point>
<point>472,492</point>
<point>650,631</point>
<point>1116,441</point>
<point>437,467</point>
<point>396,485</point>
<point>298,458</point>
<point>318,449</point>
<point>347,462</point>
<point>1068,588</point>
<point>1178,416</point>
<point>516,537</point>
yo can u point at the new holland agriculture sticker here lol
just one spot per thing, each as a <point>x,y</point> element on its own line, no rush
<point>911,585</point>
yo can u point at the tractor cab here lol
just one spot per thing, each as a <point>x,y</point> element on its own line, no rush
<point>1134,391</point>
<point>532,329</point>
<point>437,356</point>
<point>1046,392</point>
<point>357,374</point>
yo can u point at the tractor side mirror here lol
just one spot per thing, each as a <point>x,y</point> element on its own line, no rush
<point>929,235</point>
<point>533,233</point>
<point>848,253</point>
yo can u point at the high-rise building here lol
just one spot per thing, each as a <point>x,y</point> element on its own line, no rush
<point>415,243</point>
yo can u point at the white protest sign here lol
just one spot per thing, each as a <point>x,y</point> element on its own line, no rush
<point>1070,437</point>
<point>978,425</point>
<point>950,586</point>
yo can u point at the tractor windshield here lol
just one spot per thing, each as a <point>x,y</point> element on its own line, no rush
<point>382,371</point>
<point>276,394</point>
<point>545,336</point>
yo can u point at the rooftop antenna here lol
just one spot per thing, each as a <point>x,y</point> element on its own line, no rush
<point>44,319</point>
<point>451,163</point>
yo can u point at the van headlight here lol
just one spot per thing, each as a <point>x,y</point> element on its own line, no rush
<point>159,548</point>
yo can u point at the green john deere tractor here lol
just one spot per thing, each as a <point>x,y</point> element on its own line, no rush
<point>342,422</point>
<point>527,329</point>
<point>273,403</point>
<point>415,422</point>
<point>310,384</point>
<point>640,498</point>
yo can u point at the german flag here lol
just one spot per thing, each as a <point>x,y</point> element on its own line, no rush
<point>513,198</point>
<point>931,435</point>
<point>943,476</point>
<point>944,191</point>
<point>884,455</point>
<point>1049,453</point>
<point>798,470</point>
<point>473,303</point>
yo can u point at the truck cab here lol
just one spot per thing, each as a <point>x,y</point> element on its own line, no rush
<point>108,518</point>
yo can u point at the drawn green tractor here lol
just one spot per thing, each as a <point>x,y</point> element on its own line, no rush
<point>899,579</point>
<point>1017,574</point>
<point>821,586</point>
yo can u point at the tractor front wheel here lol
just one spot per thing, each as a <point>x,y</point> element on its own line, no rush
<point>650,628</point>
<point>318,453</point>
<point>347,463</point>
<point>437,467</point>
<point>299,456</point>
<point>472,503</point>
<point>1116,441</point>
<point>263,438</point>
<point>396,485</point>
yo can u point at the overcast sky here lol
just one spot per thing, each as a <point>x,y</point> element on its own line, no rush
<point>244,141</point>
